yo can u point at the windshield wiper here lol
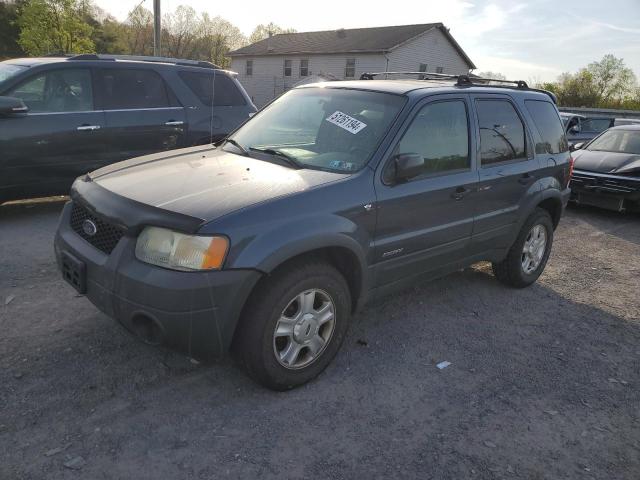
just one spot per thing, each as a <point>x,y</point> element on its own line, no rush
<point>277,153</point>
<point>238,146</point>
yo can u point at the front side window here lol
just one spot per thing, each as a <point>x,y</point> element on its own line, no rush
<point>502,136</point>
<point>304,68</point>
<point>617,141</point>
<point>331,129</point>
<point>222,92</point>
<point>64,90</point>
<point>287,68</point>
<point>439,133</point>
<point>249,68</point>
<point>595,125</point>
<point>125,89</point>
<point>545,118</point>
<point>350,68</point>
<point>8,70</point>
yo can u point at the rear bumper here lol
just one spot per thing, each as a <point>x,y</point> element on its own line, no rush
<point>615,192</point>
<point>195,312</point>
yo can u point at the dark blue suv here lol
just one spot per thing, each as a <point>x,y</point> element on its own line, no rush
<point>331,195</point>
<point>61,117</point>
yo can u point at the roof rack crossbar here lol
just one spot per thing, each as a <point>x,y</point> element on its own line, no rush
<point>461,79</point>
<point>142,58</point>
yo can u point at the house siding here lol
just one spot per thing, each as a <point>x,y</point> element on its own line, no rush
<point>268,80</point>
<point>432,48</point>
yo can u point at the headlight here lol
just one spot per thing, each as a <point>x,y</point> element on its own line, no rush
<point>177,251</point>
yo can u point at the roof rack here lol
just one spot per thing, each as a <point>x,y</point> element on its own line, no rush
<point>465,81</point>
<point>462,80</point>
<point>142,58</point>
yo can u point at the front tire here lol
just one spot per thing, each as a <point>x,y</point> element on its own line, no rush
<point>528,255</point>
<point>293,325</point>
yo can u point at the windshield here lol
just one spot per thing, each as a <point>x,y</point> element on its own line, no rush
<point>617,141</point>
<point>324,128</point>
<point>8,70</point>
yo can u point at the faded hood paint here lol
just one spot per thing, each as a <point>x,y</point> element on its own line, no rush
<point>607,162</point>
<point>205,182</point>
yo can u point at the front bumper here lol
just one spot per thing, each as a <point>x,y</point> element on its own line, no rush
<point>195,312</point>
<point>614,192</point>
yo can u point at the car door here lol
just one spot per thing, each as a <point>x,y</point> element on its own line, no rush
<point>426,222</point>
<point>508,170</point>
<point>142,115</point>
<point>58,139</point>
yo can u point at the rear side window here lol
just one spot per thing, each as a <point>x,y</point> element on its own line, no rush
<point>132,89</point>
<point>223,93</point>
<point>502,136</point>
<point>546,120</point>
<point>63,90</point>
<point>440,134</point>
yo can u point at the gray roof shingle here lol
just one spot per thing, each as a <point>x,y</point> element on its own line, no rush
<point>355,40</point>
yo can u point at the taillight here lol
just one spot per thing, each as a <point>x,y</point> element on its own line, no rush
<point>570,173</point>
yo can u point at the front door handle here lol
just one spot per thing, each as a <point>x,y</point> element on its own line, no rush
<point>88,128</point>
<point>526,179</point>
<point>174,123</point>
<point>459,193</point>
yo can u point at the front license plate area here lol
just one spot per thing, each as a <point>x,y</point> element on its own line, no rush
<point>74,272</point>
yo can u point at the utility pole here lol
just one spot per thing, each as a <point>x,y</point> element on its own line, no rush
<point>157,31</point>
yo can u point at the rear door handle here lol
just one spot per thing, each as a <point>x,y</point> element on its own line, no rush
<point>459,193</point>
<point>174,123</point>
<point>88,128</point>
<point>526,178</point>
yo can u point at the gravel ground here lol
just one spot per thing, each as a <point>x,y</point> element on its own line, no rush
<point>544,382</point>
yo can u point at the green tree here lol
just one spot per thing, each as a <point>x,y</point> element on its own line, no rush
<point>605,84</point>
<point>54,26</point>
<point>9,30</point>
<point>264,31</point>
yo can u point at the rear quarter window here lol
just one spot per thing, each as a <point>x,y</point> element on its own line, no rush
<point>547,122</point>
<point>222,92</point>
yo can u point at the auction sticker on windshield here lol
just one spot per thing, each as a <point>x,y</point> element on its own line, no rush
<point>343,120</point>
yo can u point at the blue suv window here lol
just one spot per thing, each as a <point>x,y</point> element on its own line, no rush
<point>223,93</point>
<point>545,117</point>
<point>440,134</point>
<point>502,136</point>
<point>124,89</point>
<point>61,90</point>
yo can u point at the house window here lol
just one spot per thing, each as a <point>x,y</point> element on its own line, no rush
<point>422,68</point>
<point>439,70</point>
<point>249,68</point>
<point>287,68</point>
<point>304,68</point>
<point>350,68</point>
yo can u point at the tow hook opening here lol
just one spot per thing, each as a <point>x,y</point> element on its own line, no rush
<point>147,329</point>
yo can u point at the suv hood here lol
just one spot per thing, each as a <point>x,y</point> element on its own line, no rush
<point>205,182</point>
<point>607,162</point>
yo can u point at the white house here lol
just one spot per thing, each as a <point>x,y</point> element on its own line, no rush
<point>270,67</point>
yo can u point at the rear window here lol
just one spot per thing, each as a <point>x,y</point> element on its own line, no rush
<point>546,119</point>
<point>223,92</point>
<point>132,89</point>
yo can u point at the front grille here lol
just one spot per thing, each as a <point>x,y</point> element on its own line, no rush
<point>106,235</point>
<point>603,183</point>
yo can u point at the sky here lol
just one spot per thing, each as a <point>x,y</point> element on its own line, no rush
<point>535,40</point>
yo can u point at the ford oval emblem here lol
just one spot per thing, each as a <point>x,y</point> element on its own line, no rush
<point>89,228</point>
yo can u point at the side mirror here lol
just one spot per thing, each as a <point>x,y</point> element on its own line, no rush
<point>576,146</point>
<point>12,106</point>
<point>408,165</point>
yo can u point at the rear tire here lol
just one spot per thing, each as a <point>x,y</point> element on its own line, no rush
<point>528,255</point>
<point>293,325</point>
